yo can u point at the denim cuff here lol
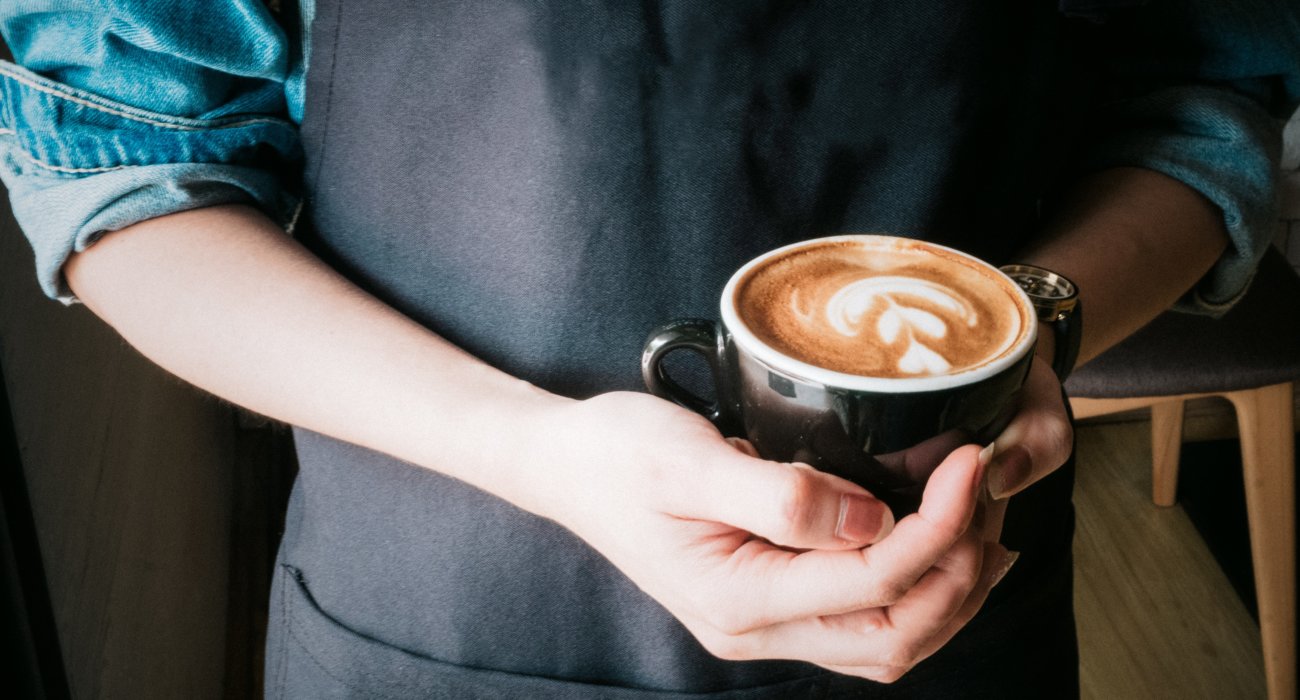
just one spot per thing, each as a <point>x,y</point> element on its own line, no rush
<point>78,165</point>
<point>1220,143</point>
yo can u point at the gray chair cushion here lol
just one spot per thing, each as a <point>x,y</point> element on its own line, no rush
<point>1255,344</point>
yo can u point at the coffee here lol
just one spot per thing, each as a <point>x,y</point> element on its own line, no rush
<point>882,307</point>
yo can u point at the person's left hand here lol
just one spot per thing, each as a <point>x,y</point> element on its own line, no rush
<point>1037,441</point>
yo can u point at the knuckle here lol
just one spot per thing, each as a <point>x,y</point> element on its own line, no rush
<point>727,620</point>
<point>903,656</point>
<point>794,505</point>
<point>950,530</point>
<point>1063,438</point>
<point>888,675</point>
<point>888,592</point>
<point>726,646</point>
<point>874,621</point>
<point>963,562</point>
<point>861,623</point>
<point>1057,434</point>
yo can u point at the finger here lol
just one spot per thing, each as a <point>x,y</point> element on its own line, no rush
<point>994,514</point>
<point>947,506</point>
<point>998,561</point>
<point>744,446</point>
<point>789,505</point>
<point>879,674</point>
<point>889,637</point>
<point>1038,439</point>
<point>783,586</point>
<point>941,592</point>
<point>917,461</point>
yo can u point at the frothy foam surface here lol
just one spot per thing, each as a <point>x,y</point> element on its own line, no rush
<point>881,309</point>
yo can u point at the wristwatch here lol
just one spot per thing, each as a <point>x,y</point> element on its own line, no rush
<point>1056,301</point>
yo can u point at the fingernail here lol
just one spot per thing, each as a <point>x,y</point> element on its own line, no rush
<point>1008,560</point>
<point>743,446</point>
<point>862,519</point>
<point>982,469</point>
<point>1008,472</point>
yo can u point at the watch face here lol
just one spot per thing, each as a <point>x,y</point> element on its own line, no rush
<point>1051,293</point>
<point>1034,286</point>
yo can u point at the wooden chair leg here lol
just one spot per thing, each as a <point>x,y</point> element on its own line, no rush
<point>1268,457</point>
<point>1166,445</point>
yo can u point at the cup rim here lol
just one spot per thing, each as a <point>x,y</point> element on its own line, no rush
<point>799,369</point>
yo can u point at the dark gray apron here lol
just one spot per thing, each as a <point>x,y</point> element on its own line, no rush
<point>544,182</point>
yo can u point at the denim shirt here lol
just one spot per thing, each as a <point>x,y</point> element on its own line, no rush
<point>117,111</point>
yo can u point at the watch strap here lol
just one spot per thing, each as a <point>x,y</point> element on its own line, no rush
<point>1067,331</point>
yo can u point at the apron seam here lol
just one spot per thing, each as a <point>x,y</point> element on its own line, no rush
<point>302,644</point>
<point>314,176</point>
<point>283,664</point>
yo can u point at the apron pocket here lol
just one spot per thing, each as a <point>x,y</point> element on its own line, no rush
<point>312,655</point>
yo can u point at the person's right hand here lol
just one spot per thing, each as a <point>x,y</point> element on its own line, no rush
<point>761,560</point>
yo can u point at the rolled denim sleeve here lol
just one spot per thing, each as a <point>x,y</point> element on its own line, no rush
<point>117,112</point>
<point>1199,91</point>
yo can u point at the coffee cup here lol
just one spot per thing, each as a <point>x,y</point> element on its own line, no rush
<point>866,356</point>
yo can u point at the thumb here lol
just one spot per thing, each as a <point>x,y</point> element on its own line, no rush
<point>791,505</point>
<point>1038,440</point>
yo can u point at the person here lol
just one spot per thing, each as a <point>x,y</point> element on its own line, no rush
<point>492,203</point>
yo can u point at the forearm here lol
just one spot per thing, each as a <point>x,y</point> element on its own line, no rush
<point>225,300</point>
<point>1134,241</point>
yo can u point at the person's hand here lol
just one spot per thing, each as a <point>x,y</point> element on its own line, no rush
<point>761,560</point>
<point>1037,441</point>
<point>1034,444</point>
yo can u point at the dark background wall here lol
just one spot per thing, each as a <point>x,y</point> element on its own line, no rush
<point>156,508</point>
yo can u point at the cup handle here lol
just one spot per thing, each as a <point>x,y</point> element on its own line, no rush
<point>697,335</point>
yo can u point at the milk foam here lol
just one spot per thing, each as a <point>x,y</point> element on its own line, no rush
<point>846,308</point>
<point>893,311</point>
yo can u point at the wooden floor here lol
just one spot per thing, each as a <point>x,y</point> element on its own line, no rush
<point>1157,617</point>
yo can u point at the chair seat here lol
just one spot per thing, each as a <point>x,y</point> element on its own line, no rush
<point>1181,353</point>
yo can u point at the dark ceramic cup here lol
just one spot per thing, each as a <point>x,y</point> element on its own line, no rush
<point>885,434</point>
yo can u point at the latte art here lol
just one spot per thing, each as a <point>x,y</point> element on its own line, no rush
<point>897,314</point>
<point>897,310</point>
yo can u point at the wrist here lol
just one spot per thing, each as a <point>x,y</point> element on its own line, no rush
<point>1046,346</point>
<point>1055,301</point>
<point>484,427</point>
<point>529,465</point>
